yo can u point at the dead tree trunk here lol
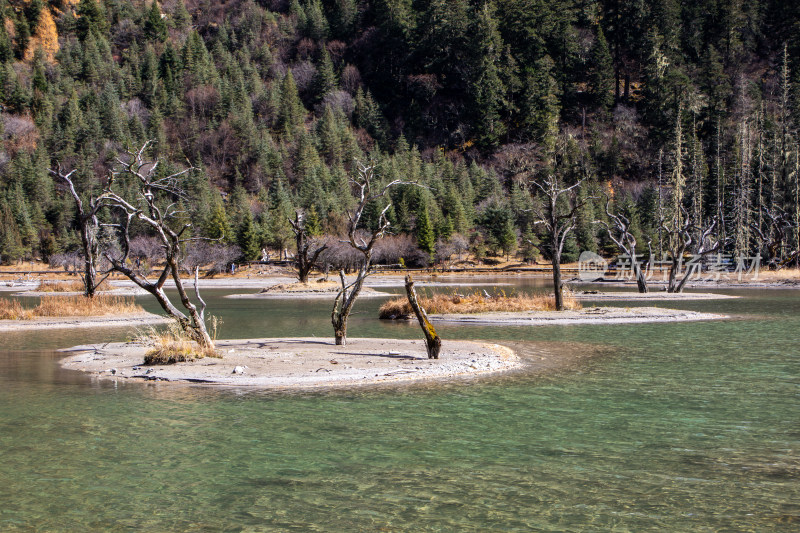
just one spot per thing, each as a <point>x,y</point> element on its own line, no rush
<point>158,219</point>
<point>363,242</point>
<point>89,228</point>
<point>681,240</point>
<point>433,343</point>
<point>626,243</point>
<point>560,207</point>
<point>307,255</point>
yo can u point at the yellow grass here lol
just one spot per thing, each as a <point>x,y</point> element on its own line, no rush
<point>75,285</point>
<point>171,346</point>
<point>13,310</point>
<point>448,304</point>
<point>64,306</point>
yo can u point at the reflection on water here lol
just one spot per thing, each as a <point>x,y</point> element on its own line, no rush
<point>677,427</point>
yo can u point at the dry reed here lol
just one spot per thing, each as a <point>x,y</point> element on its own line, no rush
<point>13,310</point>
<point>74,285</point>
<point>448,304</point>
<point>64,306</point>
<point>172,345</point>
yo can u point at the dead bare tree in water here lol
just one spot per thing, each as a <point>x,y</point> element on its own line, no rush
<point>681,236</point>
<point>89,226</point>
<point>773,241</point>
<point>625,241</point>
<point>147,208</point>
<point>561,204</point>
<point>361,241</point>
<point>308,250</point>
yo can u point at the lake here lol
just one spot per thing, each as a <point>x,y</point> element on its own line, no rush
<point>662,427</point>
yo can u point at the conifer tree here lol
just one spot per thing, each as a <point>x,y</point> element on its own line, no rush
<point>325,78</point>
<point>507,239</point>
<point>91,19</point>
<point>291,113</point>
<point>426,240</point>
<point>487,87</point>
<point>601,76</point>
<point>155,27</point>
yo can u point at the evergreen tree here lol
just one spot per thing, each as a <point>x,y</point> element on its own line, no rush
<point>180,16</point>
<point>91,19</point>
<point>426,240</point>
<point>217,226</point>
<point>317,25</point>
<point>325,78</point>
<point>248,237</point>
<point>291,113</point>
<point>601,75</point>
<point>155,27</point>
<point>487,87</point>
<point>507,239</point>
<point>11,247</point>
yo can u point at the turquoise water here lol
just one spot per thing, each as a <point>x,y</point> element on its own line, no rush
<point>667,427</point>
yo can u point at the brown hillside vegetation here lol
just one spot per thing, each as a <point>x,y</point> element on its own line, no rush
<point>448,304</point>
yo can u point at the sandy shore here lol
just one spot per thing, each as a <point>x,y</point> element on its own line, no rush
<point>300,363</point>
<point>115,321</point>
<point>591,315</point>
<point>649,296</point>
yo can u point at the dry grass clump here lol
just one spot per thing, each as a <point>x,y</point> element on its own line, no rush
<point>100,305</point>
<point>13,310</point>
<point>448,304</point>
<point>172,345</point>
<point>74,285</point>
<point>64,306</point>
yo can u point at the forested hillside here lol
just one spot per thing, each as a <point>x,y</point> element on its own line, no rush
<point>653,102</point>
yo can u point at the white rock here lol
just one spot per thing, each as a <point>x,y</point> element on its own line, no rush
<point>238,370</point>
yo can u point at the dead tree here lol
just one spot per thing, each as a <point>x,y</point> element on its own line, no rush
<point>89,228</point>
<point>308,250</point>
<point>680,240</point>
<point>363,243</point>
<point>625,241</point>
<point>433,343</point>
<point>773,241</point>
<point>158,216</point>
<point>561,204</point>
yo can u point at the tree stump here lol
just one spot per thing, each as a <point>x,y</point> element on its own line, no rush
<point>433,342</point>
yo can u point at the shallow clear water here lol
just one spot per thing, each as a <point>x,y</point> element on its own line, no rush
<point>670,427</point>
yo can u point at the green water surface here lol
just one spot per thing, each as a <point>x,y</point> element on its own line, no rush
<point>668,427</point>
